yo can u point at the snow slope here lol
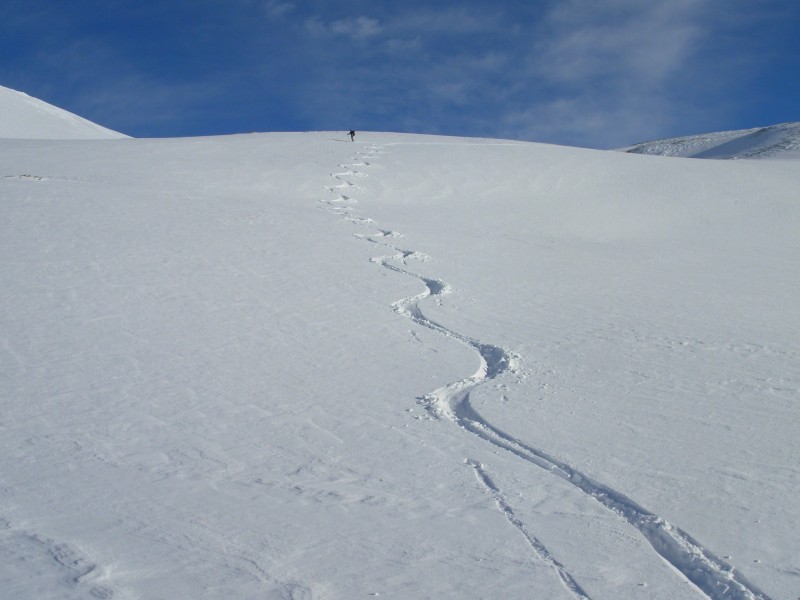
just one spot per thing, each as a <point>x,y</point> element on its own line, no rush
<point>22,116</point>
<point>776,141</point>
<point>291,366</point>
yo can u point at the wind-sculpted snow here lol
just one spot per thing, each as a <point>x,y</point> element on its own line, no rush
<point>715,577</point>
<point>83,578</point>
<point>776,141</point>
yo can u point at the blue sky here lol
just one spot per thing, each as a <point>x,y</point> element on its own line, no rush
<point>595,73</point>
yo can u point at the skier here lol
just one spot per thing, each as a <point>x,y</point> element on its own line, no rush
<point>352,135</point>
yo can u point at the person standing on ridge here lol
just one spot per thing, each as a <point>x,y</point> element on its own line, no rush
<point>352,135</point>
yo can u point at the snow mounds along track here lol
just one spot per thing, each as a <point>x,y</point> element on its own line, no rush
<point>79,577</point>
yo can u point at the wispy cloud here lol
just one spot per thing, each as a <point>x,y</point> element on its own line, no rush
<point>403,46</point>
<point>588,72</point>
<point>447,20</point>
<point>645,43</point>
<point>600,73</point>
<point>611,69</point>
<point>356,28</point>
<point>279,10</point>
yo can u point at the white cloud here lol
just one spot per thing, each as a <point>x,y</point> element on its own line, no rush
<point>315,27</point>
<point>355,28</point>
<point>612,71</point>
<point>278,10</point>
<point>642,42</point>
<point>403,47</point>
<point>358,28</point>
<point>600,73</point>
<point>579,121</point>
<point>448,20</point>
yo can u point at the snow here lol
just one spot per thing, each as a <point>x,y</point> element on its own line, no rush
<point>23,116</point>
<point>292,366</point>
<point>776,141</point>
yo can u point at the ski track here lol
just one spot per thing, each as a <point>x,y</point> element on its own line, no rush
<point>538,547</point>
<point>717,579</point>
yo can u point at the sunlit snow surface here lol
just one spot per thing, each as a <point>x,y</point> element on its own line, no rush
<point>292,366</point>
<point>22,116</point>
<point>774,142</point>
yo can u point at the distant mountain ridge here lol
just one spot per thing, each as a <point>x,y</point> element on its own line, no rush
<point>25,117</point>
<point>775,141</point>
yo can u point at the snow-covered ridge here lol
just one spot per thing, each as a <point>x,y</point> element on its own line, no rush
<point>22,116</point>
<point>776,141</point>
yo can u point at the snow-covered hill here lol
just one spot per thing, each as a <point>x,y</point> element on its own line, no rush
<point>292,366</point>
<point>22,116</point>
<point>777,141</point>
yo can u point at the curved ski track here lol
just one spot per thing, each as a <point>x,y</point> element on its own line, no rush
<point>717,579</point>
